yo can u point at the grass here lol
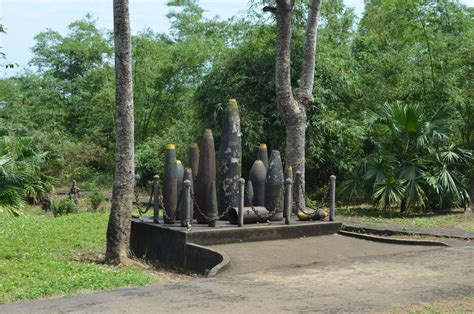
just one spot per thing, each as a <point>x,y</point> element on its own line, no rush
<point>368,214</point>
<point>455,306</point>
<point>43,256</point>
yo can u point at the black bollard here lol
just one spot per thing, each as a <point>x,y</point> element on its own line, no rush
<point>188,175</point>
<point>157,199</point>
<point>287,200</point>
<point>212,210</point>
<point>186,209</point>
<point>332,195</point>
<point>241,202</point>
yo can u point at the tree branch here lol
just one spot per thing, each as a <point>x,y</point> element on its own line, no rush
<point>270,9</point>
<point>306,81</point>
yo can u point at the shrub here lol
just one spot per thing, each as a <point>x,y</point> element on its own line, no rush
<point>96,198</point>
<point>63,206</point>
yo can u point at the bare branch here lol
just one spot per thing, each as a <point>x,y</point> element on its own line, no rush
<point>306,81</point>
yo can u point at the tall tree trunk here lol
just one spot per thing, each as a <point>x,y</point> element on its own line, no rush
<point>293,107</point>
<point>118,230</point>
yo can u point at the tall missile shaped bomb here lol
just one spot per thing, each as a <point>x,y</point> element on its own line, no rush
<point>212,212</point>
<point>288,172</point>
<point>248,197</point>
<point>193,159</point>
<point>206,174</point>
<point>230,158</point>
<point>274,186</point>
<point>188,175</point>
<point>263,154</point>
<point>170,189</point>
<point>179,174</point>
<point>257,175</point>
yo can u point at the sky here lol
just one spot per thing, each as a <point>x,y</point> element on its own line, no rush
<point>23,19</point>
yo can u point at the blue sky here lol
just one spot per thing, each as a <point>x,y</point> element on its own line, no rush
<point>23,19</point>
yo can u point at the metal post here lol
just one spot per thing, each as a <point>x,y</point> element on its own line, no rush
<point>240,221</point>
<point>332,201</point>
<point>287,201</point>
<point>186,218</point>
<point>156,198</point>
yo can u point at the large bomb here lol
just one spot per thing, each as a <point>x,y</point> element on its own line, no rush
<point>188,175</point>
<point>248,197</point>
<point>230,158</point>
<point>170,188</point>
<point>179,178</point>
<point>193,159</point>
<point>274,186</point>
<point>257,175</point>
<point>263,154</point>
<point>206,175</point>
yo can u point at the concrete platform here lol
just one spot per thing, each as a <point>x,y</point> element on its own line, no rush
<point>174,246</point>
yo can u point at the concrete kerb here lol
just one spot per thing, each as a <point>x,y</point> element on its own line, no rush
<point>386,231</point>
<point>206,258</point>
<point>391,240</point>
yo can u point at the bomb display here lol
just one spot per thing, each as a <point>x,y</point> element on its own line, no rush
<point>170,188</point>
<point>212,211</point>
<point>230,157</point>
<point>274,187</point>
<point>257,175</point>
<point>263,154</point>
<point>206,175</point>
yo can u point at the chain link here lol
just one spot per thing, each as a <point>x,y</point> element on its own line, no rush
<point>319,205</point>
<point>268,216</point>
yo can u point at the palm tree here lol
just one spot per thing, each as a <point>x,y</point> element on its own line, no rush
<point>411,161</point>
<point>21,175</point>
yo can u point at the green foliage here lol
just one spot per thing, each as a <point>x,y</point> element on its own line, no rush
<point>63,206</point>
<point>96,199</point>
<point>21,173</point>
<point>411,161</point>
<point>45,256</point>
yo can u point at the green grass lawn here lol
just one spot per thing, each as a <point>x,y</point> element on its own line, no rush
<point>44,256</point>
<point>367,214</point>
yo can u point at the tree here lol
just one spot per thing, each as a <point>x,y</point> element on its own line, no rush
<point>294,105</point>
<point>118,229</point>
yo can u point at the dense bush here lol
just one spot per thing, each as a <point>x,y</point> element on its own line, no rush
<point>63,206</point>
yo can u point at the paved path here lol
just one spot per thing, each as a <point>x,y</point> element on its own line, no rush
<point>365,279</point>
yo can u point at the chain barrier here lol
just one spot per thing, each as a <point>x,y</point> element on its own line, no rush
<point>319,205</point>
<point>206,217</point>
<point>268,216</point>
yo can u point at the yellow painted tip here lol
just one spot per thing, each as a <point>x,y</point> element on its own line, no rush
<point>263,145</point>
<point>178,161</point>
<point>289,168</point>
<point>170,146</point>
<point>258,161</point>
<point>233,104</point>
<point>208,132</point>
